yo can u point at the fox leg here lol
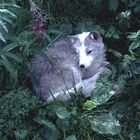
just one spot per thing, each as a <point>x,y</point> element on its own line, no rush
<point>89,84</point>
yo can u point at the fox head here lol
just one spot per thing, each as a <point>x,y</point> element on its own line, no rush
<point>89,46</point>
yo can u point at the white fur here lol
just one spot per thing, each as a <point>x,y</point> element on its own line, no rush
<point>84,59</point>
<point>82,36</point>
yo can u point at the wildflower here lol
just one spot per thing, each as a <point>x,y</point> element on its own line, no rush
<point>38,19</point>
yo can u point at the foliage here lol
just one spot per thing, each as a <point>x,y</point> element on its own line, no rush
<point>113,110</point>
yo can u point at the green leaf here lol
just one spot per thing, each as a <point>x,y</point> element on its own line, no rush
<point>62,112</point>
<point>6,11</point>
<point>46,122</point>
<point>3,26</point>
<point>116,53</point>
<point>6,19</point>
<point>51,132</point>
<point>106,124</point>
<point>89,105</point>
<point>20,12</point>
<point>10,46</point>
<point>8,5</point>
<point>72,137</point>
<point>2,38</point>
<point>134,35</point>
<point>13,56</point>
<point>51,135</point>
<point>9,66</point>
<point>116,36</point>
<point>134,46</point>
<point>47,37</point>
<point>63,124</point>
<point>102,94</point>
<point>21,134</point>
<point>113,4</point>
<point>112,32</point>
<point>54,31</point>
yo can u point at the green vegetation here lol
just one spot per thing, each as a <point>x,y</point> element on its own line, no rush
<point>27,26</point>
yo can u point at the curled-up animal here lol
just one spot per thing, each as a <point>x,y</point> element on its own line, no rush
<point>74,62</point>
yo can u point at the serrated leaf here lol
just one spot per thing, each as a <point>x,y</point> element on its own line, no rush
<point>72,137</point>
<point>62,112</point>
<point>89,105</point>
<point>113,4</point>
<point>106,124</point>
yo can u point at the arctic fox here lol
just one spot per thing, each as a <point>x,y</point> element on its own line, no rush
<point>74,62</point>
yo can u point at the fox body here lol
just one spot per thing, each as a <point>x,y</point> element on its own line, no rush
<point>76,61</point>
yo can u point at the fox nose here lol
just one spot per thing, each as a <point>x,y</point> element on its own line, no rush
<point>82,66</point>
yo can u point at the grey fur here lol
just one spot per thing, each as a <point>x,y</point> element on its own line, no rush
<point>57,79</point>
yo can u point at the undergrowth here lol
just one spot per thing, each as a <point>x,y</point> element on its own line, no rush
<point>113,110</point>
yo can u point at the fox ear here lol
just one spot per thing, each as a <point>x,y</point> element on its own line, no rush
<point>73,39</point>
<point>95,36</point>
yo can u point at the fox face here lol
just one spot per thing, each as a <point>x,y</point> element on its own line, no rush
<point>88,46</point>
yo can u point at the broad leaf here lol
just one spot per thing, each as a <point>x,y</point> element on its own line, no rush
<point>62,112</point>
<point>102,96</point>
<point>89,105</point>
<point>72,137</point>
<point>106,124</point>
<point>46,122</point>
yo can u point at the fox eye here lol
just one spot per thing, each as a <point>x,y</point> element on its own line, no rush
<point>90,51</point>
